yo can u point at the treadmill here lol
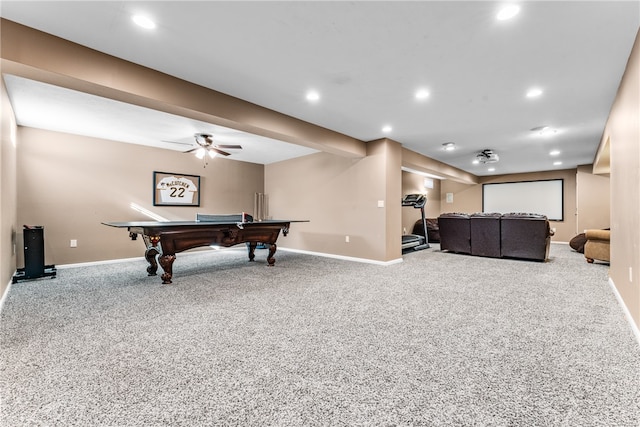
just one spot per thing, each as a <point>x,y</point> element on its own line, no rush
<point>415,241</point>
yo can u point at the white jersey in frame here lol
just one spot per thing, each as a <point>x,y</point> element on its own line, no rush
<point>178,190</point>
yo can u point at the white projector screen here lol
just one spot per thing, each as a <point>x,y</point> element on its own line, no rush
<point>538,197</point>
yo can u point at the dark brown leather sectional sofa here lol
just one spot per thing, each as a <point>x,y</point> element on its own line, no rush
<point>513,235</point>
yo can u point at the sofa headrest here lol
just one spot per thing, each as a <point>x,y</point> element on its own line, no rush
<point>486,215</point>
<point>454,215</point>
<point>519,215</point>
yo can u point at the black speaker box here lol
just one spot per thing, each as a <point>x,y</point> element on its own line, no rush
<point>34,252</point>
<point>34,267</point>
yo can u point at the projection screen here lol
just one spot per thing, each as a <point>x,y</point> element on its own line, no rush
<point>539,197</point>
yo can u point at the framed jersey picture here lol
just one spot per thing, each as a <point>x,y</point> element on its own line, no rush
<point>173,189</point>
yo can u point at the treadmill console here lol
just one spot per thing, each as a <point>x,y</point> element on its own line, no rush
<point>416,200</point>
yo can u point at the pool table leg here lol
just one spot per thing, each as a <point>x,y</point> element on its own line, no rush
<point>166,262</point>
<point>272,250</point>
<point>150,256</point>
<point>252,250</point>
<point>153,250</point>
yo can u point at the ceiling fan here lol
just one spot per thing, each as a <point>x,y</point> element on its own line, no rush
<point>206,146</point>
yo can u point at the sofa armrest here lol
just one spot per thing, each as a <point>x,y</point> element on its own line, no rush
<point>598,235</point>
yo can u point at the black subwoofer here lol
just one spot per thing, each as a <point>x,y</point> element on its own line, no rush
<point>34,267</point>
<point>34,252</point>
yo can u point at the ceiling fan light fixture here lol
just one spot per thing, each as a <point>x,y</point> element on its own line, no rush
<point>449,146</point>
<point>200,153</point>
<point>212,154</point>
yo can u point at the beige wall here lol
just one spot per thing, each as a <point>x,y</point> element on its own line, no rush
<point>70,184</point>
<point>592,197</point>
<point>623,133</point>
<point>340,198</point>
<point>8,209</point>
<point>467,198</point>
<point>390,154</point>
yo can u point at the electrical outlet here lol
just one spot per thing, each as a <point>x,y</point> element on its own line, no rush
<point>346,239</point>
<point>631,274</point>
<point>381,203</point>
<point>73,243</point>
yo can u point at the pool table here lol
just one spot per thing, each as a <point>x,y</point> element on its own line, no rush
<point>163,239</point>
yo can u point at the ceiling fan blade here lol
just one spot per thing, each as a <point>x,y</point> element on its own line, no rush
<point>224,153</point>
<point>230,146</point>
<point>193,149</point>
<point>178,142</point>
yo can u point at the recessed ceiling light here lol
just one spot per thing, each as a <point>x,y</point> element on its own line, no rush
<point>508,12</point>
<point>554,153</point>
<point>534,92</point>
<point>422,94</point>
<point>387,129</point>
<point>449,146</point>
<point>491,169</point>
<point>144,21</point>
<point>475,161</point>
<point>557,163</point>
<point>313,96</point>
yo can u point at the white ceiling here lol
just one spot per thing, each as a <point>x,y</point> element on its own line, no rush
<point>366,59</point>
<point>45,106</point>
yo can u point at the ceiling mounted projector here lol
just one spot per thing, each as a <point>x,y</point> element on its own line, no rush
<point>487,156</point>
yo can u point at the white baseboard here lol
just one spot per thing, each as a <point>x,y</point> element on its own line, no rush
<point>342,257</point>
<point>6,293</point>
<point>627,314</point>
<point>119,260</point>
<point>90,263</point>
<point>280,248</point>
